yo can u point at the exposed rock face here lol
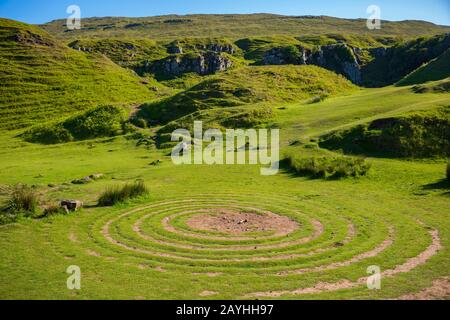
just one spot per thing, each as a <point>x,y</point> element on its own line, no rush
<point>27,37</point>
<point>274,56</point>
<point>280,56</point>
<point>203,64</point>
<point>337,57</point>
<point>218,48</point>
<point>352,71</point>
<point>177,48</point>
<point>378,52</point>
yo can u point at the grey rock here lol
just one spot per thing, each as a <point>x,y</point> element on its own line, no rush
<point>203,64</point>
<point>72,205</point>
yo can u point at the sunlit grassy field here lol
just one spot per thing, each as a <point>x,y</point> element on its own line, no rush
<point>396,217</point>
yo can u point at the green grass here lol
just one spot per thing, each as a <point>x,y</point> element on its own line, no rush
<point>142,246</point>
<point>249,85</point>
<point>99,122</point>
<point>157,263</point>
<point>234,26</point>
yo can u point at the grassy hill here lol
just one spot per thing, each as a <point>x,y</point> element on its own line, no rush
<point>413,135</point>
<point>233,26</point>
<point>250,85</point>
<point>43,79</point>
<point>436,69</point>
<point>404,58</point>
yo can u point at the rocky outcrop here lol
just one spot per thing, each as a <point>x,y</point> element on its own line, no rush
<point>203,64</point>
<point>27,37</point>
<point>71,205</point>
<point>286,55</point>
<point>218,48</point>
<point>337,57</point>
<point>177,48</point>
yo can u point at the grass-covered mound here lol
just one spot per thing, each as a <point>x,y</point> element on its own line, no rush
<point>436,69</point>
<point>125,52</point>
<point>249,85</point>
<point>328,167</point>
<point>416,135</point>
<point>442,86</point>
<point>42,79</point>
<point>99,122</point>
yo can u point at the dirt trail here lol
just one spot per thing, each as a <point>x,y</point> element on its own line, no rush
<point>410,264</point>
<point>440,290</point>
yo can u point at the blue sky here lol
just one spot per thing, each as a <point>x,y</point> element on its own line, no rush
<point>40,11</point>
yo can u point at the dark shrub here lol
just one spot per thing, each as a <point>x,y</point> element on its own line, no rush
<point>48,134</point>
<point>118,194</point>
<point>96,123</point>
<point>415,135</point>
<point>53,211</point>
<point>99,122</point>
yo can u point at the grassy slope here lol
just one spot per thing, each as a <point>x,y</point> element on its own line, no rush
<point>436,69</point>
<point>397,191</point>
<point>42,79</point>
<point>233,26</point>
<point>250,85</point>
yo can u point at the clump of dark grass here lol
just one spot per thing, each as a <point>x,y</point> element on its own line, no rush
<point>118,194</point>
<point>53,210</point>
<point>23,201</point>
<point>329,167</point>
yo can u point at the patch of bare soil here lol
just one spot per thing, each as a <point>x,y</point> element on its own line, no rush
<point>365,255</point>
<point>440,290</point>
<point>93,253</point>
<point>236,222</point>
<point>73,238</point>
<point>208,293</point>
<point>208,274</point>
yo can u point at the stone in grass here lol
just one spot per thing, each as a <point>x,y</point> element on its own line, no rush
<point>89,179</point>
<point>71,205</point>
<point>84,180</point>
<point>96,176</point>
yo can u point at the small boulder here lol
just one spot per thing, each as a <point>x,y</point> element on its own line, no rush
<point>96,176</point>
<point>71,205</point>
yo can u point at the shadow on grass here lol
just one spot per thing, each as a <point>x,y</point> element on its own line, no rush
<point>443,184</point>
